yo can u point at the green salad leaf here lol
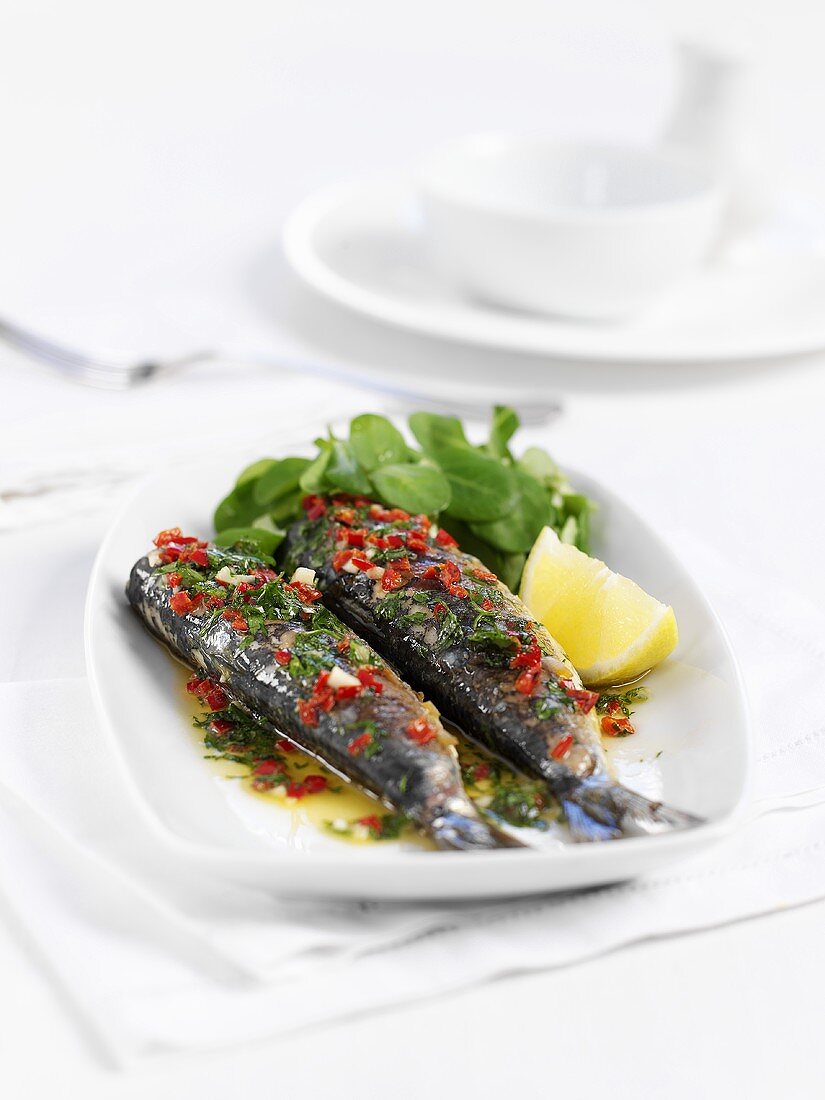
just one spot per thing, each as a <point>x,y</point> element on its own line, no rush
<point>519,528</point>
<point>343,470</point>
<point>502,430</point>
<point>277,479</point>
<point>258,538</point>
<point>413,487</point>
<point>376,442</point>
<point>493,501</point>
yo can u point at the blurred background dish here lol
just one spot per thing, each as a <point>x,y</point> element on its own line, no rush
<point>364,246</point>
<point>577,229</point>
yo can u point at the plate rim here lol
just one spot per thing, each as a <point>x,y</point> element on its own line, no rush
<point>531,334</point>
<point>308,869</point>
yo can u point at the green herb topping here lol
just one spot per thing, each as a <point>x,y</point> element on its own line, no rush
<point>493,501</point>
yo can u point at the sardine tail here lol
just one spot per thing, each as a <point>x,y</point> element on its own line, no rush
<point>599,809</point>
<point>465,831</point>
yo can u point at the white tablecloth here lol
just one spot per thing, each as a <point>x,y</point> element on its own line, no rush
<point>173,244</point>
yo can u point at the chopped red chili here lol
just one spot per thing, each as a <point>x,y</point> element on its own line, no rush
<point>181,603</point>
<point>348,691</point>
<point>368,678</point>
<point>314,783</point>
<point>481,771</point>
<point>617,727</point>
<point>388,515</point>
<point>306,593</point>
<point>198,687</point>
<point>356,747</point>
<point>586,699</point>
<point>308,711</point>
<point>321,682</point>
<point>372,821</point>
<point>216,698</point>
<point>283,656</point>
<point>340,559</point>
<point>450,573</point>
<point>444,538</point>
<point>282,745</point>
<point>195,555</point>
<point>173,579</point>
<point>416,544</point>
<point>529,657</point>
<point>527,681</point>
<point>395,578</point>
<point>447,573</point>
<point>483,575</point>
<point>268,767</point>
<point>562,747</point>
<point>420,731</point>
<point>221,726</point>
<point>314,506</point>
<point>171,534</point>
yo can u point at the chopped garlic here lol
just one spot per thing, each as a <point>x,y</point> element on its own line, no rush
<point>303,576</point>
<point>360,832</point>
<point>338,678</point>
<point>225,576</point>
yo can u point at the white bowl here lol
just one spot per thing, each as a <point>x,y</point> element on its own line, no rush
<point>594,232</point>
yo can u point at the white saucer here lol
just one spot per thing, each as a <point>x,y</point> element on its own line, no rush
<point>362,245</point>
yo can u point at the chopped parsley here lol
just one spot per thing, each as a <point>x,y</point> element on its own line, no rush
<point>620,702</point>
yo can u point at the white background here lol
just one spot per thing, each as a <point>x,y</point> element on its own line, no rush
<point>150,154</point>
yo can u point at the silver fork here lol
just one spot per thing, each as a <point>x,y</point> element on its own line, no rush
<point>533,408</point>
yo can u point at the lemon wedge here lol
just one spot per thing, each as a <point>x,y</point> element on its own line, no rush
<point>611,630</point>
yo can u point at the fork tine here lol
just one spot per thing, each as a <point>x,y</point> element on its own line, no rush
<point>92,371</point>
<point>37,345</point>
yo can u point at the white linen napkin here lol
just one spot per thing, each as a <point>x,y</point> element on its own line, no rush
<point>158,958</point>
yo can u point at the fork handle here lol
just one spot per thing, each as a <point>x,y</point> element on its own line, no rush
<point>532,407</point>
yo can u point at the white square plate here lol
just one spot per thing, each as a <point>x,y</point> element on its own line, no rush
<point>693,748</point>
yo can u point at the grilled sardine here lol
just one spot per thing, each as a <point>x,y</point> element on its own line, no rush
<point>286,660</point>
<point>464,640</point>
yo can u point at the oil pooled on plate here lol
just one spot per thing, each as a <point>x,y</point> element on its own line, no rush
<point>272,769</point>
